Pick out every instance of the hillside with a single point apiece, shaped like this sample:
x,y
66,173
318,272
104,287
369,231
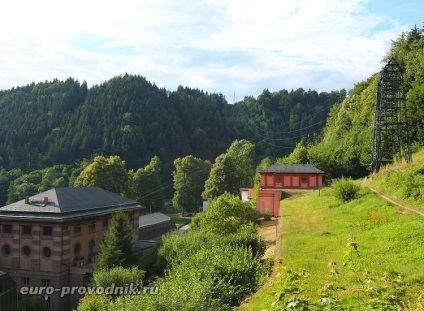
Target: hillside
x,y
319,265
345,147
63,122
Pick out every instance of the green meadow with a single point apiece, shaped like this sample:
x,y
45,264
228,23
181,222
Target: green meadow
x,y
382,267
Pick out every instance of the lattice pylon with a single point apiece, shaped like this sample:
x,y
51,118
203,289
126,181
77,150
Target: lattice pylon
x,y
391,131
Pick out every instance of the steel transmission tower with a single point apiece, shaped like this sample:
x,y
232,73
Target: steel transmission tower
x,y
391,131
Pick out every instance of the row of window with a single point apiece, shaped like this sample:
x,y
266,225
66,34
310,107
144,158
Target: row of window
x,y
27,230
25,281
48,230
47,252
26,250
91,226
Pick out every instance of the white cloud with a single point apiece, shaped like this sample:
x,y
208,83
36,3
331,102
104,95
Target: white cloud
x,y
215,45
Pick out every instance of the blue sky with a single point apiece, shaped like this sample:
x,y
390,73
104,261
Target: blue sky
x,y
221,46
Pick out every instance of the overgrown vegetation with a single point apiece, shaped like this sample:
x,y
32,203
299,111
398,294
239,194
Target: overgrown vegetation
x,y
206,269
345,189
404,181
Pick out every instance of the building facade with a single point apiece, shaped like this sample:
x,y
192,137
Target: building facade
x,y
52,239
278,177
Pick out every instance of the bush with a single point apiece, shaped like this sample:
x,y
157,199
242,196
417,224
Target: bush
x,y
119,276
345,189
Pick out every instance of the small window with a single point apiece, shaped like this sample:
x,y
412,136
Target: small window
x,y
45,282
47,230
25,281
77,228
7,229
92,226
47,252
77,249
27,230
278,179
91,245
105,223
6,249
26,251
304,179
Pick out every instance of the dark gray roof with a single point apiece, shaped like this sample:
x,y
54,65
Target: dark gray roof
x,y
69,202
152,219
292,169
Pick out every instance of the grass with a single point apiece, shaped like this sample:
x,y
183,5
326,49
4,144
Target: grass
x,y
179,222
315,231
404,181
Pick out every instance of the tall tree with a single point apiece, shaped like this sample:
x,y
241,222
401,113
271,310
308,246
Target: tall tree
x,y
222,178
118,247
107,173
243,154
189,175
147,186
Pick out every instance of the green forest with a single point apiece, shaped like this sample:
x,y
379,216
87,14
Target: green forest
x,y
52,131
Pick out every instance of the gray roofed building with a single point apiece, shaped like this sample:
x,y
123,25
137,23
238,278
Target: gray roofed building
x,y
292,169
153,226
68,203
53,238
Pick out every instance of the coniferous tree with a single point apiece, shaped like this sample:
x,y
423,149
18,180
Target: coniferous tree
x,y
118,247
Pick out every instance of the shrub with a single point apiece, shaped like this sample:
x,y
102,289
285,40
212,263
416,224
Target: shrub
x,y
119,276
345,189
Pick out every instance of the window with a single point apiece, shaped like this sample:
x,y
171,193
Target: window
x,y
45,282
47,252
92,226
6,249
77,228
26,251
27,230
7,229
25,281
105,223
278,179
91,245
47,230
304,179
77,249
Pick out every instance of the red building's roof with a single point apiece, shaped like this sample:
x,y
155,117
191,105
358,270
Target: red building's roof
x,y
292,169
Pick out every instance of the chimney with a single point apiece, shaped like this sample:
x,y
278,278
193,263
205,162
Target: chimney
x,y
26,200
46,200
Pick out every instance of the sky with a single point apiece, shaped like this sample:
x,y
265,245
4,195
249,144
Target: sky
x,y
234,47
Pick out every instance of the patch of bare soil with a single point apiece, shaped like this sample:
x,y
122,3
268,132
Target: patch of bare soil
x,y
267,229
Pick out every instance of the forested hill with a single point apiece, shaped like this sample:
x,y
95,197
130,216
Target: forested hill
x,y
62,122
345,148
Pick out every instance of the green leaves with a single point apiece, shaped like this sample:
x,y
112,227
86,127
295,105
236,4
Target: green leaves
x,y
189,176
106,173
118,247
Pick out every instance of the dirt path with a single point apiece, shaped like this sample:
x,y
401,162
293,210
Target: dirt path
x,y
392,200
268,231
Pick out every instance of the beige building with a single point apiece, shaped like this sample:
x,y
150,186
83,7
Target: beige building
x,y
51,239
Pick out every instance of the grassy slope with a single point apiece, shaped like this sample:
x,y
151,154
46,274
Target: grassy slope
x,y
315,232
404,181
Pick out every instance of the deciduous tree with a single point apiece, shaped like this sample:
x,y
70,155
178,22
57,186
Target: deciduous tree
x,y
107,173
189,175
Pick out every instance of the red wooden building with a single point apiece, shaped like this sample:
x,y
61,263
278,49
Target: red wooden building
x,y
285,176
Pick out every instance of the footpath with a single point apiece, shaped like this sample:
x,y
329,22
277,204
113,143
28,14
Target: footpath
x,y
393,200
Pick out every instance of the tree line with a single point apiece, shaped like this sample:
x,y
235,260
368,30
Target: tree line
x,y
61,123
